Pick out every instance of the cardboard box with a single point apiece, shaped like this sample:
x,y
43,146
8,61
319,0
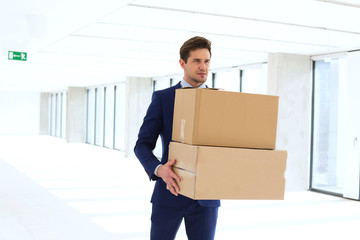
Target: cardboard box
x,y
229,173
221,118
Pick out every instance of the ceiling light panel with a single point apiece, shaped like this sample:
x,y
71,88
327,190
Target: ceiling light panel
x,y
321,14
219,25
111,47
134,32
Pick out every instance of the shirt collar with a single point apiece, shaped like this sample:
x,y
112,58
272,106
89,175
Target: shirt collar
x,y
185,84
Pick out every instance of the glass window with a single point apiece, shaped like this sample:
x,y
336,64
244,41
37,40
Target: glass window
x,y
176,79
63,114
161,83
209,81
99,116
57,117
109,117
53,115
327,150
90,126
106,116
50,114
254,79
226,80
58,114
120,110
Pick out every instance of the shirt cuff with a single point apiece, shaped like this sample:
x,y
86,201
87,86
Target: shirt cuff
x,y
156,169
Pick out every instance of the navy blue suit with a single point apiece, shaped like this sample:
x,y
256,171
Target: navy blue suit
x,y
158,122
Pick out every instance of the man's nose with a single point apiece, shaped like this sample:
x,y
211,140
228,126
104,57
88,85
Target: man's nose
x,y
203,66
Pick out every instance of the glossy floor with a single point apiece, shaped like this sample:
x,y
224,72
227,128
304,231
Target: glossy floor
x,y
51,190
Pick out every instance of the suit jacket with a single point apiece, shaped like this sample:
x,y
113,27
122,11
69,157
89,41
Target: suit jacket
x,y
158,122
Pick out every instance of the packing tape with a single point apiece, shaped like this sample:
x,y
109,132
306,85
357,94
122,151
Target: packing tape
x,y
182,131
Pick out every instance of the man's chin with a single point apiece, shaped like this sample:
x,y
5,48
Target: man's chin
x,y
201,79
198,81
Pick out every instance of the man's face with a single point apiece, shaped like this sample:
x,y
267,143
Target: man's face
x,y
197,67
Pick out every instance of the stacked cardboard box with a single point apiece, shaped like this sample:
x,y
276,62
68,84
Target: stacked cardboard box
x,y
224,142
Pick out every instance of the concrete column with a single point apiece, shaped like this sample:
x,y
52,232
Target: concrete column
x,y
138,97
76,115
290,78
44,114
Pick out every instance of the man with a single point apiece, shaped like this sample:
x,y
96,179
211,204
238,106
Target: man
x,y
169,207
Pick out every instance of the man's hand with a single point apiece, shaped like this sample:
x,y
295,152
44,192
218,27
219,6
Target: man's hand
x,y
167,174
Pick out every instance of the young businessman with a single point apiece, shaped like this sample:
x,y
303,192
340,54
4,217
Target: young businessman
x,y
168,207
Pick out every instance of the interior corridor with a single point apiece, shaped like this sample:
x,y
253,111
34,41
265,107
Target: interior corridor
x,y
53,190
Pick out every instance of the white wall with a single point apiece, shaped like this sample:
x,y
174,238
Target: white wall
x,y
19,113
44,124
290,78
76,114
138,97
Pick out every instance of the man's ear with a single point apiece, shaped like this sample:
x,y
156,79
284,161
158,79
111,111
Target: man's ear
x,y
182,63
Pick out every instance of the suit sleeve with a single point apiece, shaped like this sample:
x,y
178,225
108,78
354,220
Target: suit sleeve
x,y
148,135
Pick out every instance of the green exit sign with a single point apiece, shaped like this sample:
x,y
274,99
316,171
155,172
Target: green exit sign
x,y
21,56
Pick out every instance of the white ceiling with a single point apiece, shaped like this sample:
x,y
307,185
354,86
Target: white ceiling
x,y
80,43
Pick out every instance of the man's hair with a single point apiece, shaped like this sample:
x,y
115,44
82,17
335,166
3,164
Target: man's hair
x,y
194,44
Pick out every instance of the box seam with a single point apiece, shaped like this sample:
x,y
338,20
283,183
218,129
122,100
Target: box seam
x,y
196,115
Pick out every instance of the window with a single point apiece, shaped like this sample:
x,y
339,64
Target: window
x,y
109,116
327,149
120,100
254,79
90,126
161,83
227,79
53,114
248,79
99,116
106,116
63,115
176,79
58,102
